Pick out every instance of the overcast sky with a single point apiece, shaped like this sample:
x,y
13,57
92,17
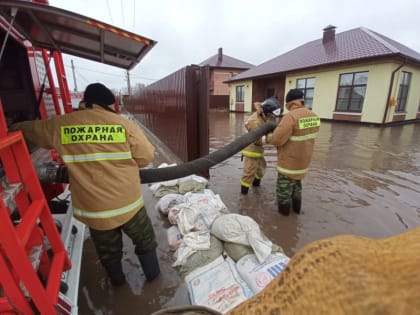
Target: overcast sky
x,y
254,31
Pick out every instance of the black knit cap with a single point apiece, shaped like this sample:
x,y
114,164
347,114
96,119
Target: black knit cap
x,y
99,94
294,94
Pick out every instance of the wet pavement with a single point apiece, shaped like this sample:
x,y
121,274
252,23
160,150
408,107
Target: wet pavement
x,y
363,180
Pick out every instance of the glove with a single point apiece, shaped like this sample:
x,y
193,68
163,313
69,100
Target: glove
x,y
14,127
258,142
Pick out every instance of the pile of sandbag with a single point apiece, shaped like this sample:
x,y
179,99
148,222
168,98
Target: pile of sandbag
x,y
345,274
224,257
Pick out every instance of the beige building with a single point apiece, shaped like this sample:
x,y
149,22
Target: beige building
x,y
357,75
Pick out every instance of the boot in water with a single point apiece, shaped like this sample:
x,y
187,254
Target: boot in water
x,y
296,205
284,208
244,190
115,273
150,264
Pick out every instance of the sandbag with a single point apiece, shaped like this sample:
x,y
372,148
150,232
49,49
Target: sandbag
x,y
345,275
241,229
201,257
217,285
259,275
192,183
237,251
187,310
168,201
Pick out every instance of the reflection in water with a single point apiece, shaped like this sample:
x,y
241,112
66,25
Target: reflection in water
x,y
365,148
363,180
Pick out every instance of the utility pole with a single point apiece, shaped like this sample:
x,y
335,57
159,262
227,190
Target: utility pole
x,y
74,76
128,83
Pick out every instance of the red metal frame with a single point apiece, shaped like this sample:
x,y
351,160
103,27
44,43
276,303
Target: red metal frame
x,y
62,82
52,90
36,80
54,189
36,226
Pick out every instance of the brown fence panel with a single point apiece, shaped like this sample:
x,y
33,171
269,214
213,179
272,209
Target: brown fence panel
x,y
175,109
219,101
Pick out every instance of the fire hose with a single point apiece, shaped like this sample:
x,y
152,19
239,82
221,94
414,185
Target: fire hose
x,y
51,173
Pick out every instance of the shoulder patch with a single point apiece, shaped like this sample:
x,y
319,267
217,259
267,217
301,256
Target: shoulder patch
x,y
309,122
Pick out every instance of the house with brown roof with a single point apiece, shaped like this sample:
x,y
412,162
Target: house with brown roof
x,y
222,68
357,75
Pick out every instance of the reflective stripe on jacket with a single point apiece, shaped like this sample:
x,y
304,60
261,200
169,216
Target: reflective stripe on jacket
x,y
103,152
294,137
255,149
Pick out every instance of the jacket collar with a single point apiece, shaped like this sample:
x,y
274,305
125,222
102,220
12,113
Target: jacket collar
x,y
295,104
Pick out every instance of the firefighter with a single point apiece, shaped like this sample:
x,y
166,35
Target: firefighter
x,y
294,138
253,154
103,152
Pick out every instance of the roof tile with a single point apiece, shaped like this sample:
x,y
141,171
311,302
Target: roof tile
x,y
358,43
226,62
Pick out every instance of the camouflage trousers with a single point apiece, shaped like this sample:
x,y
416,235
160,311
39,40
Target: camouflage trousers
x,y
109,244
288,189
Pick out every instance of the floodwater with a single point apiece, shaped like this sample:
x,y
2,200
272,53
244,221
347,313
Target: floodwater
x,y
363,180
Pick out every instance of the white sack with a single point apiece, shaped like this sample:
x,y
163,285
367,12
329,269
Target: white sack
x,y
217,286
174,237
259,275
236,228
199,211
191,243
169,201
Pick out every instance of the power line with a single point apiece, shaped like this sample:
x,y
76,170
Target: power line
x,y
122,12
144,78
113,74
96,71
109,11
83,78
134,15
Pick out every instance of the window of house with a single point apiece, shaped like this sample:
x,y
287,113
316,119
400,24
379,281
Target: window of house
x,y
307,85
240,93
403,91
351,92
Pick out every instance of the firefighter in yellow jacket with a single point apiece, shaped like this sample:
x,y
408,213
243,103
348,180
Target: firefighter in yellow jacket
x,y
294,138
254,161
103,152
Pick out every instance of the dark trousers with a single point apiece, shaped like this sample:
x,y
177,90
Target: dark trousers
x,y
109,243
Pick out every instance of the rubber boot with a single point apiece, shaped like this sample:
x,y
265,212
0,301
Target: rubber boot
x,y
244,190
150,264
296,205
284,208
256,182
115,273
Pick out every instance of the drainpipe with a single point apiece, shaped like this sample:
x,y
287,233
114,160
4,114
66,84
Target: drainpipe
x,y
390,91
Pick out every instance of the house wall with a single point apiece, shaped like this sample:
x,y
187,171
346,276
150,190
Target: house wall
x,y
218,76
413,100
379,78
219,91
260,87
246,106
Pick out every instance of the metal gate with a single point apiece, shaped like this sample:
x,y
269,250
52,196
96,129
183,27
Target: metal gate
x,y
175,109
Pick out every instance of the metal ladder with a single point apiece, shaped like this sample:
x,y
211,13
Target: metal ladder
x,y
30,275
